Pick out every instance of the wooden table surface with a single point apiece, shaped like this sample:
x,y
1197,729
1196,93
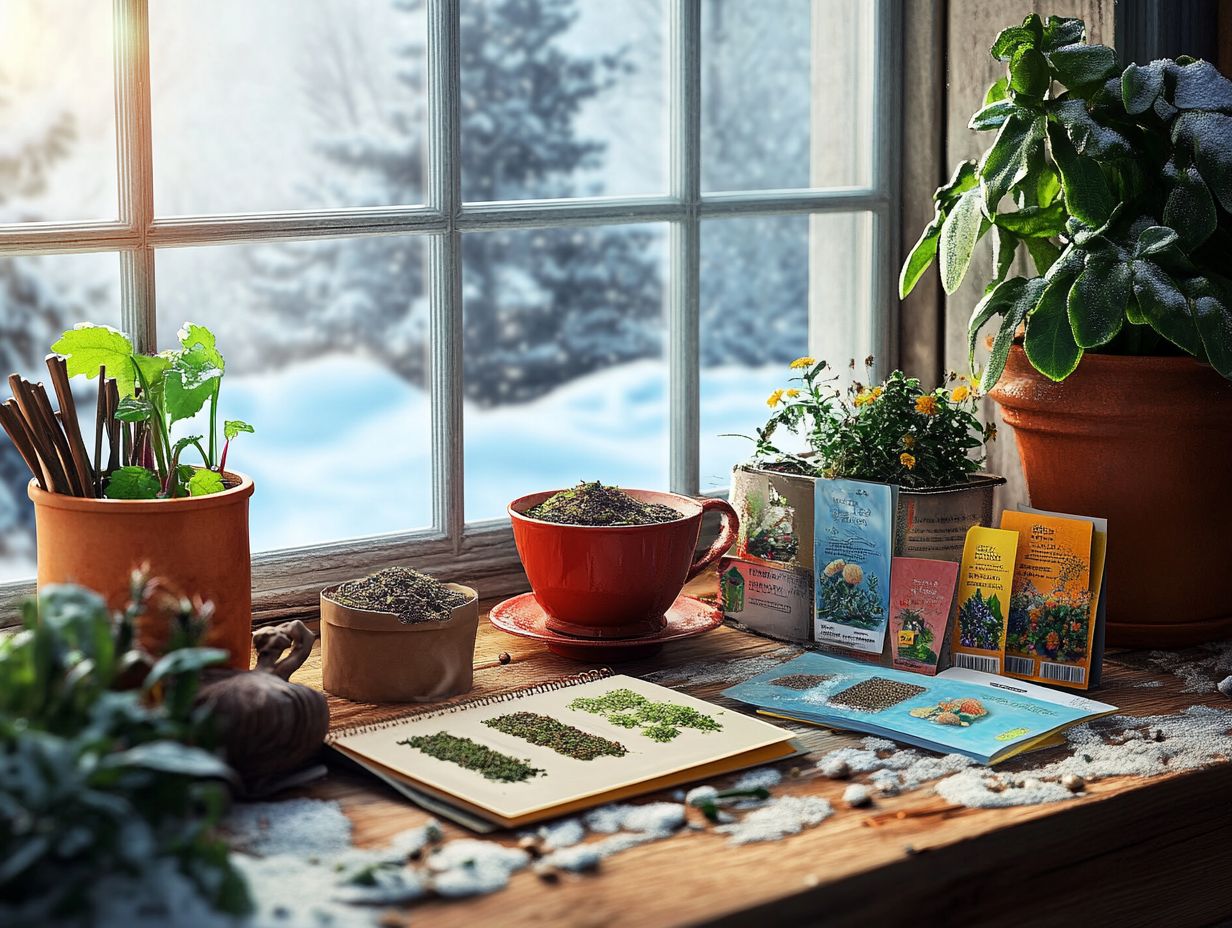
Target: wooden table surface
x,y
1130,852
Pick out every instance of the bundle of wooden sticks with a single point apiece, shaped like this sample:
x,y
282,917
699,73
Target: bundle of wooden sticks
x,y
50,441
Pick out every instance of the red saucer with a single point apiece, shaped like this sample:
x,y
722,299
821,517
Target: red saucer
x,y
523,616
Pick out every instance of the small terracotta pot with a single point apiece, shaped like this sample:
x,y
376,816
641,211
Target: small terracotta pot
x,y
1145,442
198,544
372,657
600,581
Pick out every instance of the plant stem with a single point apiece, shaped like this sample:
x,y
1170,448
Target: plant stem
x,y
209,461
222,464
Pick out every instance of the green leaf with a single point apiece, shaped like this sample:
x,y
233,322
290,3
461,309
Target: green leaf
x,y
1030,34
1097,303
959,234
1077,65
993,115
205,482
1200,86
1015,314
169,757
1004,247
1035,221
1209,137
89,347
996,302
1029,74
1090,136
1133,312
963,179
1141,84
133,483
133,409
1049,342
181,661
997,90
1087,195
1153,240
919,260
1190,208
200,340
1044,254
1165,306
1059,31
1008,160
233,427
192,380
1211,302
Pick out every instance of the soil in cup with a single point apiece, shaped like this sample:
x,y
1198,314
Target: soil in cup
x,y
595,504
411,596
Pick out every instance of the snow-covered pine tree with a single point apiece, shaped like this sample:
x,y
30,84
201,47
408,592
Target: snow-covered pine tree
x,y
541,307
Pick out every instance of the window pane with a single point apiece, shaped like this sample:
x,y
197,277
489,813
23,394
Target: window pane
x,y
40,297
762,280
57,111
564,361
286,104
787,97
563,98
326,346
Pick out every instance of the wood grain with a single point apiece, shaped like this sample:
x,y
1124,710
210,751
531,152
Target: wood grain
x,y
1130,852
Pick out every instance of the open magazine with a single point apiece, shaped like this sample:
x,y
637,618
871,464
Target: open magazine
x,y
986,717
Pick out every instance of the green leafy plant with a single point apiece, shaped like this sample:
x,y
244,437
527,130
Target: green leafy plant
x,y
920,649
1118,184
894,432
847,595
157,391
105,767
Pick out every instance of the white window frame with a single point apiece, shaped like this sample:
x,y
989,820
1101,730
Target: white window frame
x,y
483,553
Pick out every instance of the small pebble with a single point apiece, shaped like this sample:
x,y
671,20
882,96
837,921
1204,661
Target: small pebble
x,y
836,769
1073,782
504,657
1225,686
795,773
857,795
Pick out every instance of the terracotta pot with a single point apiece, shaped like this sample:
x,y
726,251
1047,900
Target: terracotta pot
x,y
1145,442
615,581
198,544
371,656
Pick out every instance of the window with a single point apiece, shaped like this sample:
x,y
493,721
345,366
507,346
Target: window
x,y
455,250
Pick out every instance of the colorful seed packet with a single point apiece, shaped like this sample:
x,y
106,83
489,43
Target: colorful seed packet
x,y
774,601
921,599
853,538
1051,633
985,579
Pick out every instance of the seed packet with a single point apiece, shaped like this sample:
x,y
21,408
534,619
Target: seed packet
x,y
774,511
985,578
775,601
853,537
921,598
1054,608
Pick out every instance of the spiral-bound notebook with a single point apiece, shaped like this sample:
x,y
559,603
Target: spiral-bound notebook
x,y
553,749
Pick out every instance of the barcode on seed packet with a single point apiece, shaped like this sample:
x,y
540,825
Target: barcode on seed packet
x,y
1023,665
1067,673
976,662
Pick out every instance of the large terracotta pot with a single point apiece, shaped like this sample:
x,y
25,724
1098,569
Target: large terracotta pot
x,y
198,544
615,581
1146,442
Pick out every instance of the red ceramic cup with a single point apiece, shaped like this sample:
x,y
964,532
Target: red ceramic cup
x,y
599,581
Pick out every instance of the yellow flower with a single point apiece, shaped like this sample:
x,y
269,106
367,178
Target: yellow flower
x,y
958,394
834,567
853,574
803,362
927,404
774,398
877,391
907,460
908,441
793,393
864,397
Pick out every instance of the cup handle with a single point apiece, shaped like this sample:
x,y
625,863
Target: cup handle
x,y
729,528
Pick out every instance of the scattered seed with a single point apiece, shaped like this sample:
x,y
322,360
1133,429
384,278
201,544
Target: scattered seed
x,y
547,732
875,694
492,765
595,504
504,657
658,721
801,681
